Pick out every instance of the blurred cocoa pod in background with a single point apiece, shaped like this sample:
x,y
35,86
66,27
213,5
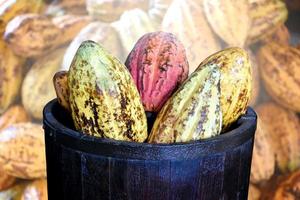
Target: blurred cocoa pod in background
x,y
32,35
22,150
254,193
37,87
266,16
279,67
281,127
280,36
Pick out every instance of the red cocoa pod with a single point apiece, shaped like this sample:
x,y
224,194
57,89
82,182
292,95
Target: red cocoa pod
x,y
158,64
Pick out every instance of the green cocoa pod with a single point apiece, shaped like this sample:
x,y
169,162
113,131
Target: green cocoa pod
x,y
193,112
104,100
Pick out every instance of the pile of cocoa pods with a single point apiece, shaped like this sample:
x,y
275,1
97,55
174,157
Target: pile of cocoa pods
x,y
41,37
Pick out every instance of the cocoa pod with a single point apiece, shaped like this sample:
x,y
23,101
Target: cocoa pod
x,y
103,97
263,157
31,35
11,8
221,16
254,193
281,36
236,82
266,17
136,20
22,151
11,70
14,114
99,32
37,190
158,65
60,82
282,127
186,20
279,67
189,113
111,10
37,88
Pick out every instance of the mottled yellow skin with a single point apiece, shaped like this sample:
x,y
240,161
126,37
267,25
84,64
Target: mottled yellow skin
x,y
266,17
236,82
193,112
103,98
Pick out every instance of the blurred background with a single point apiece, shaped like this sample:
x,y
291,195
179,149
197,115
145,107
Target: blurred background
x,y
40,37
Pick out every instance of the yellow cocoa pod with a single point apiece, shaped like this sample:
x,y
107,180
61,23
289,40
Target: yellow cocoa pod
x,y
266,17
103,97
11,69
282,128
236,82
279,67
22,150
37,88
36,190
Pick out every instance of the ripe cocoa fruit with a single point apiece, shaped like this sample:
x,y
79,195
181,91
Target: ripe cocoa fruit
x,y
193,112
100,32
266,17
60,82
111,10
222,17
22,151
11,70
37,88
279,67
186,20
36,190
236,82
31,35
158,65
263,157
282,128
104,100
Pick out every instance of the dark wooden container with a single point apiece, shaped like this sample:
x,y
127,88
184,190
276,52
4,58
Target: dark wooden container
x,y
85,167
